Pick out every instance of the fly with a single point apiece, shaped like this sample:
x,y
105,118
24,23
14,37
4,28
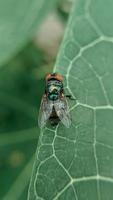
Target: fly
x,y
54,106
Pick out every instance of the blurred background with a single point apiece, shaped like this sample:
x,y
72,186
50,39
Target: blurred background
x,y
21,89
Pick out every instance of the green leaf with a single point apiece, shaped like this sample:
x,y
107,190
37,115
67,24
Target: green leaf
x,y
19,21
16,151
21,181
19,101
77,163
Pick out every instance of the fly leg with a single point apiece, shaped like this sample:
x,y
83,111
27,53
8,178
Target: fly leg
x,y
70,97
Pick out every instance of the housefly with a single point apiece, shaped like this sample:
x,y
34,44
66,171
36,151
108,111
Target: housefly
x,y
54,106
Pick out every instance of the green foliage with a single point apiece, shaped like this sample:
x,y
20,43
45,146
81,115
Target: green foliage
x,y
77,163
19,101
19,21
21,78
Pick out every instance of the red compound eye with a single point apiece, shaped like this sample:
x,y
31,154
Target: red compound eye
x,y
59,77
48,76
55,76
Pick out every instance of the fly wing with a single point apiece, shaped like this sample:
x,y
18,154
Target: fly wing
x,y
62,110
44,112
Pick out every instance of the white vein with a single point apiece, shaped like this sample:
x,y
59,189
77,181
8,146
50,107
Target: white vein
x,y
95,156
84,179
99,79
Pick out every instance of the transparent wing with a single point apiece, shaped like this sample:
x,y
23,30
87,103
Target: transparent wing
x,y
44,112
62,110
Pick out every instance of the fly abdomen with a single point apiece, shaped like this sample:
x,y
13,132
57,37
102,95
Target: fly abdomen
x,y
54,119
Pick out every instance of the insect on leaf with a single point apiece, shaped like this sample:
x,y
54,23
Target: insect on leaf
x,y
77,163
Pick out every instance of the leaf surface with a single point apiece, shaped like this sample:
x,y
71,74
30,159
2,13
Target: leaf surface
x,y
77,163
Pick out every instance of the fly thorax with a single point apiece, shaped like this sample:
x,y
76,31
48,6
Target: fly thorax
x,y
54,89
